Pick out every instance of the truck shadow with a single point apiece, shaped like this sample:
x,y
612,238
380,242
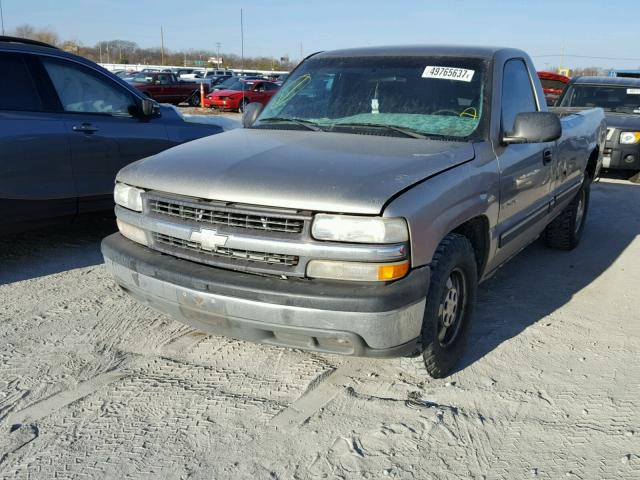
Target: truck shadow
x,y
540,280
53,249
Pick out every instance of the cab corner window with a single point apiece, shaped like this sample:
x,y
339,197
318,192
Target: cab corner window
x,y
83,91
17,89
517,93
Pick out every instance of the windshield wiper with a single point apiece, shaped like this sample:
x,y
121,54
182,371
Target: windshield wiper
x,y
407,132
308,124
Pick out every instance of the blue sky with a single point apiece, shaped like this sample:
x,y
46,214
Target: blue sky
x,y
279,27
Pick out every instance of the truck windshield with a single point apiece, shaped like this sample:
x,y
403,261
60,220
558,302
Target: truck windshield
x,y
429,96
613,98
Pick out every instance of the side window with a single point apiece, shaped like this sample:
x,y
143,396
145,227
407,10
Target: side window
x,y
17,89
81,90
270,87
163,79
517,93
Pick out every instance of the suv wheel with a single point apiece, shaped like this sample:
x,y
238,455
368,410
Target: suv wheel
x,y
450,303
565,231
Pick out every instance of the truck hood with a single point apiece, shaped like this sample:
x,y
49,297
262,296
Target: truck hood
x,y
623,121
302,170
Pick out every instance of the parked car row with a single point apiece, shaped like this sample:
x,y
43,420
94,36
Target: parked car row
x,y
404,182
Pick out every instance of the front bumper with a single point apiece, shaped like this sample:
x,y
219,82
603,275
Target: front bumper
x,y
621,157
221,104
377,320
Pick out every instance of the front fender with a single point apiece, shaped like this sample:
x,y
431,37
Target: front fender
x,y
440,204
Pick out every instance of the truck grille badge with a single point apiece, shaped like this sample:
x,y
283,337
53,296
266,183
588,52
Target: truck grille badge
x,y
208,239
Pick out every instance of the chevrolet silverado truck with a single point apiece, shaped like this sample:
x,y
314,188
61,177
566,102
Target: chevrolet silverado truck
x,y
620,99
356,213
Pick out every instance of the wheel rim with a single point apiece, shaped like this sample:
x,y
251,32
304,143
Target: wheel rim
x,y
580,212
451,309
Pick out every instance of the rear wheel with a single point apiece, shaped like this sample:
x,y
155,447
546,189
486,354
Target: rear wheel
x,y
565,231
194,100
450,303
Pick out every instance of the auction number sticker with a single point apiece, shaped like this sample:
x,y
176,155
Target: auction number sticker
x,y
633,91
448,73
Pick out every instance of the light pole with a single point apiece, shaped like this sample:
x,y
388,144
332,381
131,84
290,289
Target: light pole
x,y
241,44
2,17
218,45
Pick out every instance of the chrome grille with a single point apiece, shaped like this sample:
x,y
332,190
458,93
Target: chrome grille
x,y
177,245
230,217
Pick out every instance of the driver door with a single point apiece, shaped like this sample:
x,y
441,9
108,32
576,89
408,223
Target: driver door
x,y
525,169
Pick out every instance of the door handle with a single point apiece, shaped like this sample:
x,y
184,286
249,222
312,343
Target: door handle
x,y
547,157
84,128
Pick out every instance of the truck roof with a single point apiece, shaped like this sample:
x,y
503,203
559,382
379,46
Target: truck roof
x,y
624,81
420,50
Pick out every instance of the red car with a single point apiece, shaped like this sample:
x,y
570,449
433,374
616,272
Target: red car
x,y
241,93
553,84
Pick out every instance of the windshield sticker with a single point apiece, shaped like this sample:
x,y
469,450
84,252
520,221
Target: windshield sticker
x,y
448,73
633,91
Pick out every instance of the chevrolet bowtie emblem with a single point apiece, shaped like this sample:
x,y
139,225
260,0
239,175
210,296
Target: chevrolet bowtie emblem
x,y
208,239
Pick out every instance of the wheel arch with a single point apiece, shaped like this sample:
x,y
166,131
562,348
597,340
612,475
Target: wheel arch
x,y
476,230
592,163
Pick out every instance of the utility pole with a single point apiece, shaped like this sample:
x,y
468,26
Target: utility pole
x,y
241,43
161,46
2,17
218,45
100,44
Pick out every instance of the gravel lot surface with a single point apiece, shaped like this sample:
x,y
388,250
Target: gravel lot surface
x,y
94,385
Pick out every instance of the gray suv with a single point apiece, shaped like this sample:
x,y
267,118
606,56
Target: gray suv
x,y
67,126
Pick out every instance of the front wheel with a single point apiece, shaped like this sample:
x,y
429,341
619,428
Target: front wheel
x,y
450,303
565,231
243,104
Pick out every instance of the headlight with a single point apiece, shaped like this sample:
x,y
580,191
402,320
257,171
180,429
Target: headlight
x,y
132,232
629,138
346,228
357,271
128,197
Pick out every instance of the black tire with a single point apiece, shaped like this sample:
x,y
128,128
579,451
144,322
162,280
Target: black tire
x,y
243,104
565,231
194,100
451,299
